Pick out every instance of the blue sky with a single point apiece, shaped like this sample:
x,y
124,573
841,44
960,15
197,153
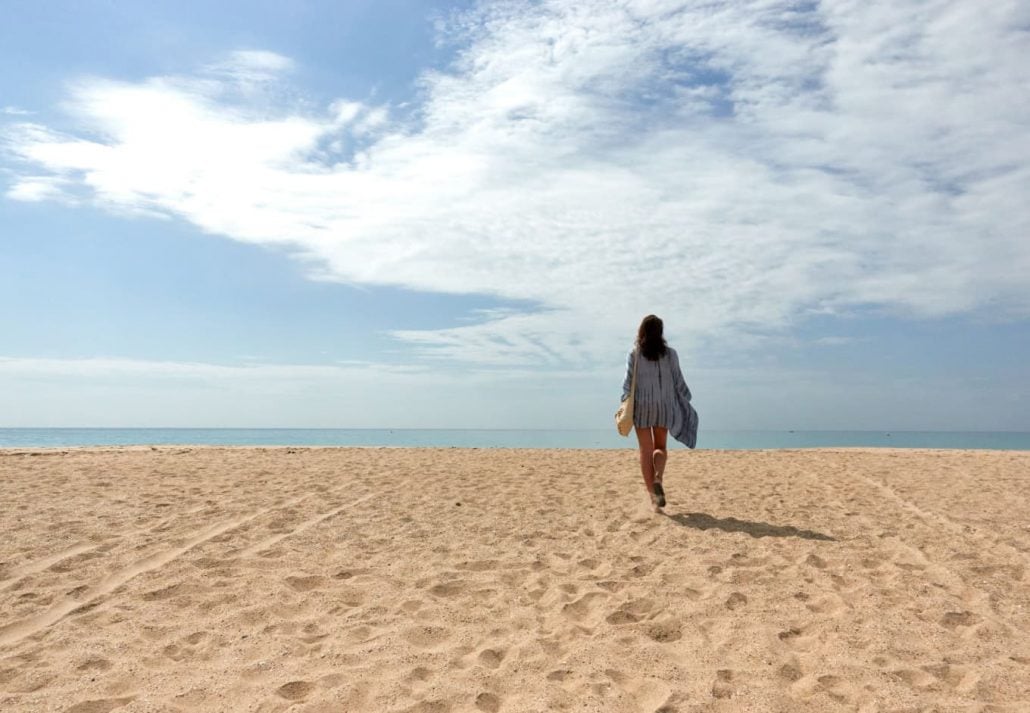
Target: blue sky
x,y
412,214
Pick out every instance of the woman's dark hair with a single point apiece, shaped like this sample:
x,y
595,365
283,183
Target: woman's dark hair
x,y
649,338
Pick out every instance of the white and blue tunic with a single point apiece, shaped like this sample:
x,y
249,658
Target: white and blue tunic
x,y
662,396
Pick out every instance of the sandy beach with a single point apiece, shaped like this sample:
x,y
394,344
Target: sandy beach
x,y
338,579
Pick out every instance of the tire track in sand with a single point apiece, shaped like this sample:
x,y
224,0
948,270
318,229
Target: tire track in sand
x,y
956,584
321,517
35,566
18,630
39,565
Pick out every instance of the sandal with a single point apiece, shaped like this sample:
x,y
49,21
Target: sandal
x,y
659,494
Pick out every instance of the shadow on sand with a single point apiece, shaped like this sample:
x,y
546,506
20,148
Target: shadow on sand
x,y
704,521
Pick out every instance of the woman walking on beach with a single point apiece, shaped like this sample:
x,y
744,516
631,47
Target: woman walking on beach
x,y
661,404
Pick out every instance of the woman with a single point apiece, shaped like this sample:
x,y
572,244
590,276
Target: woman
x,y
661,404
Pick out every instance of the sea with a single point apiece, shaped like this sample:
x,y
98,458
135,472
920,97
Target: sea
x,y
499,438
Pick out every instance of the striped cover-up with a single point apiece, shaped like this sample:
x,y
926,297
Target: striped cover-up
x,y
662,397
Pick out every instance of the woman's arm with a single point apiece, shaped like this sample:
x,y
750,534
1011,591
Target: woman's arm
x,y
629,377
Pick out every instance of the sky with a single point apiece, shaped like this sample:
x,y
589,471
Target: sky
x,y
414,214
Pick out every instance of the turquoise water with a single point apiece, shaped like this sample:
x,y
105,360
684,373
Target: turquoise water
x,y
608,438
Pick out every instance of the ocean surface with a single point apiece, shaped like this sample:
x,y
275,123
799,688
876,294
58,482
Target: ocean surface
x,y
607,438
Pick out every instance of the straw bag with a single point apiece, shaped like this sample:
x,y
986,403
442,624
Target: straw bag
x,y
624,416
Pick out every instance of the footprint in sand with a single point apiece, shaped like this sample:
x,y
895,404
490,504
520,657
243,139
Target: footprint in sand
x,y
718,633
186,649
836,688
295,690
621,616
169,592
647,694
488,702
312,633
915,678
735,601
306,584
642,570
723,685
278,526
869,563
348,573
829,604
959,678
177,653
427,636
429,707
795,638
956,619
29,682
815,561
102,705
85,609
790,671
421,674
631,612
448,589
479,565
94,664
491,658
359,634
196,637
352,597
584,608
665,632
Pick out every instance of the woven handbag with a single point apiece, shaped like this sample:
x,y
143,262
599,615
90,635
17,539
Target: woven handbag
x,y
624,416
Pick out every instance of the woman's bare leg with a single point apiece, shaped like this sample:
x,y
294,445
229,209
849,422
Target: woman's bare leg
x,y
646,440
661,452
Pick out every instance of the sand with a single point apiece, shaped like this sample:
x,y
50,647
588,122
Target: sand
x,y
326,579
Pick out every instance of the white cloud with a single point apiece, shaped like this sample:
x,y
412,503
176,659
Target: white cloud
x,y
730,166
249,71
32,189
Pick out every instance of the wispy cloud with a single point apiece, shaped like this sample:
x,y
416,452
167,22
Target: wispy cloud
x,y
32,189
114,391
833,341
251,372
104,367
732,166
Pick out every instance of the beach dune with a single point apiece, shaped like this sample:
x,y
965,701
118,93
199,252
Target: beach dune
x,y
436,580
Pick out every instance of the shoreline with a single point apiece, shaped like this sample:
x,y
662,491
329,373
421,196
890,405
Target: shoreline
x,y
575,439
144,447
